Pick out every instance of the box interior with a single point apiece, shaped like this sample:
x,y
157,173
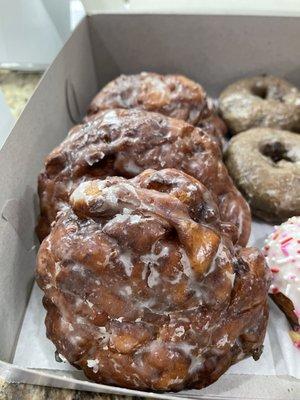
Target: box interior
x,y
213,50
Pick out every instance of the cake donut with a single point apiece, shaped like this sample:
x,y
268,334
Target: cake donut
x,y
172,95
282,252
143,290
261,101
265,165
126,142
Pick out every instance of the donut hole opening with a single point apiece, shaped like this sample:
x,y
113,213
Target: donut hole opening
x,y
276,151
260,91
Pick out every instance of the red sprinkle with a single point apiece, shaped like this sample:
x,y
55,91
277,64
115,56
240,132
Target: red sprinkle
x,y
275,290
286,240
274,269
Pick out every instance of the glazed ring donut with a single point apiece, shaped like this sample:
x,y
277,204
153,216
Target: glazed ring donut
x,y
267,171
261,101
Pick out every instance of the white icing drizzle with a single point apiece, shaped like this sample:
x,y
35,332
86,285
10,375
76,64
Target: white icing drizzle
x,y
132,168
150,260
223,341
187,269
57,268
153,277
179,331
94,364
153,258
231,277
125,259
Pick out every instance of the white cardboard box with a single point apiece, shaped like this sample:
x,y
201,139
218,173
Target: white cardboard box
x,y
213,50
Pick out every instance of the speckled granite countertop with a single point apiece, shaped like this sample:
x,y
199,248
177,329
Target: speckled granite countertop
x,y
17,88
15,391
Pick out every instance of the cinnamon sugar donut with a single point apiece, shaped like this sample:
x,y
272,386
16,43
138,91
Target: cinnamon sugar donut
x,y
125,143
261,101
172,95
143,290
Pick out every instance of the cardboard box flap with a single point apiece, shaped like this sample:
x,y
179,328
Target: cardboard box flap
x,y
42,125
19,213
217,7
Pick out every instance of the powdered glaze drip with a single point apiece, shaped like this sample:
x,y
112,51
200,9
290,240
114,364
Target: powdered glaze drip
x,y
143,289
126,142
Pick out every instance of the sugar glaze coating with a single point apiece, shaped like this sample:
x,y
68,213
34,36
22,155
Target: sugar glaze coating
x,y
261,101
143,290
171,95
125,143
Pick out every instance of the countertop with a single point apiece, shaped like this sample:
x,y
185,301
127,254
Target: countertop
x,y
17,88
13,391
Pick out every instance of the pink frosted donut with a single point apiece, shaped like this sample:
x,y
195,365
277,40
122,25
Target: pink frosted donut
x,y
282,252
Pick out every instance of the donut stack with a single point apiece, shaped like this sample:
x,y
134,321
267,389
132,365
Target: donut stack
x,y
263,158
147,283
